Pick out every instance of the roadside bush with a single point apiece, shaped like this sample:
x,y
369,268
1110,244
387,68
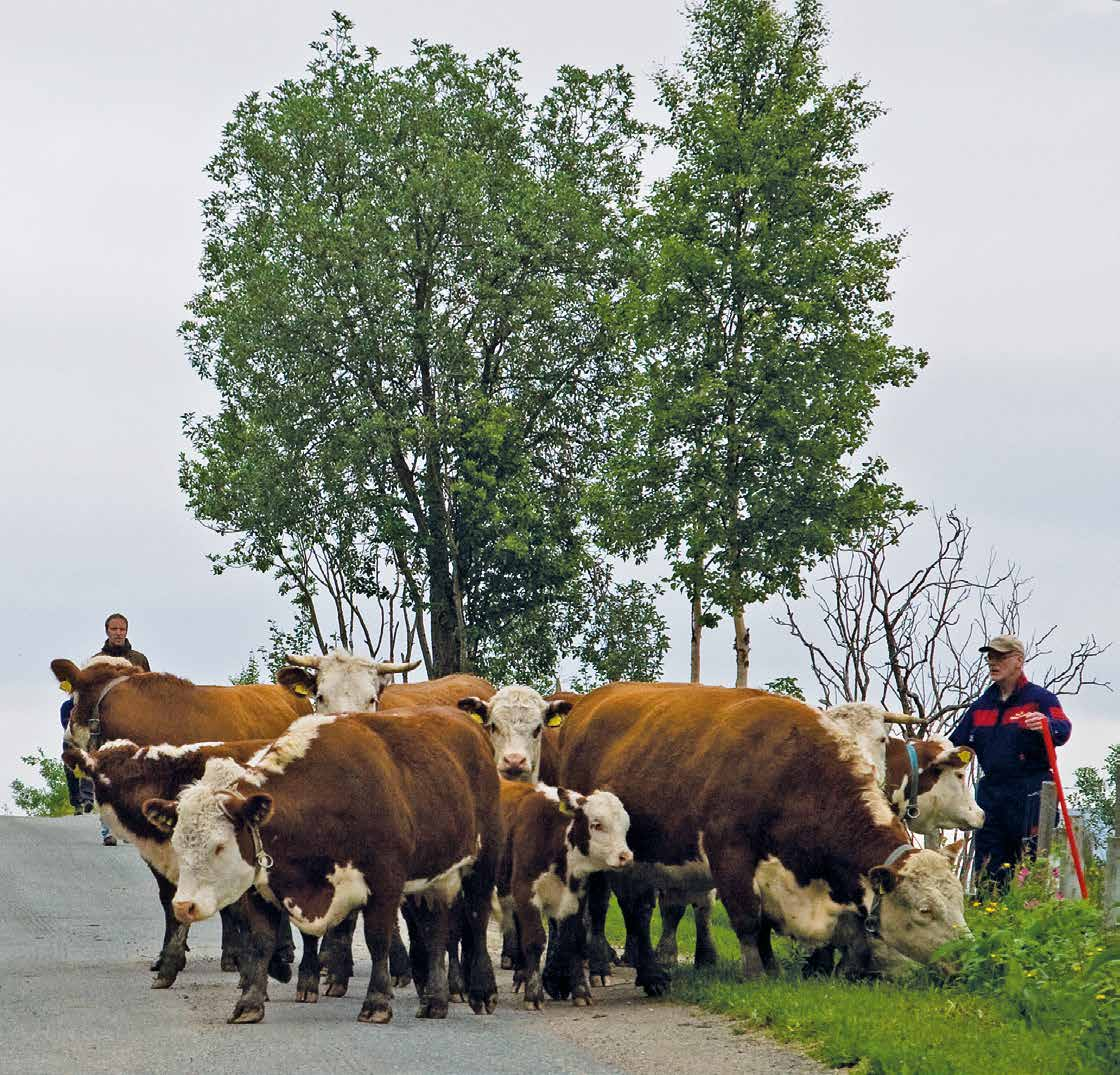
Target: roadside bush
x,y
51,800
1052,958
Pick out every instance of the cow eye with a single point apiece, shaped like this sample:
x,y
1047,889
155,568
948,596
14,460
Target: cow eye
x,y
219,849
537,730
925,909
597,826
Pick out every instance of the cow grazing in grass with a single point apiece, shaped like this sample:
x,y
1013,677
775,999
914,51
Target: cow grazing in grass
x,y
553,839
113,699
340,814
758,796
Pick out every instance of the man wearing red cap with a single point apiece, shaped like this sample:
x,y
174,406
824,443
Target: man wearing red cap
x,y
1004,726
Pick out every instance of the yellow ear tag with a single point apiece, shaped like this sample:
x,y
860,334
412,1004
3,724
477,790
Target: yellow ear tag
x,y
476,717
965,755
301,688
555,720
65,687
564,807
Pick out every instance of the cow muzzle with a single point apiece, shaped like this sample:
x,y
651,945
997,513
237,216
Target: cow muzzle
x,y
624,858
187,911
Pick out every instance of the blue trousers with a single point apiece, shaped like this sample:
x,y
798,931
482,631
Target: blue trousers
x,y
1010,830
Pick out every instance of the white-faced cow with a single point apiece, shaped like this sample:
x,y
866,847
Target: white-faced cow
x,y
755,795
126,776
346,813
341,682
113,699
553,839
927,785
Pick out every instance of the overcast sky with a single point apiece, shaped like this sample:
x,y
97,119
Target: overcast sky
x,y
1000,148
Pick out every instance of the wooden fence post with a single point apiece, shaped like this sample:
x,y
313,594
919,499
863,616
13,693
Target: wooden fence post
x,y
1067,876
1047,808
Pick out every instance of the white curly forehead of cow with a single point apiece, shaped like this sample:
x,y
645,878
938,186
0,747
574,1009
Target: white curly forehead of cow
x,y
517,708
927,873
348,683
606,808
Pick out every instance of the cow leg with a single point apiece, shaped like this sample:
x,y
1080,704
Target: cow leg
x,y
431,924
821,962
379,920
556,977
531,931
399,968
855,951
673,906
734,878
285,946
233,936
336,954
307,983
636,905
510,947
706,955
263,922
455,984
172,956
417,949
600,955
474,903
573,941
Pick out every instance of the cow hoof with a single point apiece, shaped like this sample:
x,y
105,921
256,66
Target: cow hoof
x,y
307,995
337,989
456,998
580,1001
229,962
705,957
155,965
432,1009
402,980
246,1015
556,987
162,982
484,1004
655,981
605,981
377,1014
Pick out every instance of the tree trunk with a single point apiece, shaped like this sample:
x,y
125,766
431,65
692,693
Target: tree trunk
x,y
742,648
697,628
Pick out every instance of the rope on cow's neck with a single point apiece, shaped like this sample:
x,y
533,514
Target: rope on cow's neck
x,y
262,858
871,922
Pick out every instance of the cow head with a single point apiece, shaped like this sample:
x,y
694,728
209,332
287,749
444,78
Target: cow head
x,y
597,835
204,825
945,800
86,685
922,902
340,682
515,718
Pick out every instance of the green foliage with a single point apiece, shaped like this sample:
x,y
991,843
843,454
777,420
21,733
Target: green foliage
x,y
786,685
251,673
762,321
1054,960
51,799
1094,795
409,276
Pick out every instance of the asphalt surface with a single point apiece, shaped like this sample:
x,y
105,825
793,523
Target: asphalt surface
x,y
82,923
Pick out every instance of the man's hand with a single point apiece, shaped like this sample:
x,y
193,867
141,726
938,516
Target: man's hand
x,y
1035,721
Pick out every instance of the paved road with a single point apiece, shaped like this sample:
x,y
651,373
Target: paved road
x,y
81,923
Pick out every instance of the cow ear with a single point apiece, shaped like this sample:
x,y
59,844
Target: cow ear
x,y
952,851
162,814
953,758
257,809
78,761
556,712
569,801
66,672
299,681
883,879
476,709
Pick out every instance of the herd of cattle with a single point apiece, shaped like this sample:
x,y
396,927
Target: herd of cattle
x,y
338,791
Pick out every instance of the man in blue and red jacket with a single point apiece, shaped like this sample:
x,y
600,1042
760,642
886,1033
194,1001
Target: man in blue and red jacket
x,y
1004,726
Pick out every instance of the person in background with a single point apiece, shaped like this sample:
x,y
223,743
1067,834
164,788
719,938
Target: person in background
x,y
1004,726
116,645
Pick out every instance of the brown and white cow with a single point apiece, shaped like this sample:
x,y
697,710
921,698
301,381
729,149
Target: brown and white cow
x,y
341,682
346,813
553,839
756,795
126,775
944,799
114,699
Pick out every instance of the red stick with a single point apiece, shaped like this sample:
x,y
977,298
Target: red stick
x,y
1075,854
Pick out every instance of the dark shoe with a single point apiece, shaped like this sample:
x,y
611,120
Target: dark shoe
x,y
110,841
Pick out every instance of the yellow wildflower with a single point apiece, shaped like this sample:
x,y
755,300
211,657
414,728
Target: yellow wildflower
x,y
1077,966
1101,996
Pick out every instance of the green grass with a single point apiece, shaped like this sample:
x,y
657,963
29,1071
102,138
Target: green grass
x,y
924,1029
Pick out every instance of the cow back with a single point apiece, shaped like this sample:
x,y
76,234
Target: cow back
x,y
445,691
